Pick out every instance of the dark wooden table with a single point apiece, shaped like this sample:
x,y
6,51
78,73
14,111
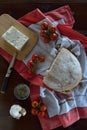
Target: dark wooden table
x,y
17,9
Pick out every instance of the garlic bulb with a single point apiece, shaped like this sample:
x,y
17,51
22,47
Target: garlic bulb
x,y
16,111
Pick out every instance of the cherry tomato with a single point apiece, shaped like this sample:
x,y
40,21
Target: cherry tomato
x,y
34,104
46,40
53,36
30,63
34,112
35,57
31,72
41,114
42,33
43,108
44,25
42,59
52,28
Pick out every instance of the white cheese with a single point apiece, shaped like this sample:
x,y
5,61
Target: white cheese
x,y
15,38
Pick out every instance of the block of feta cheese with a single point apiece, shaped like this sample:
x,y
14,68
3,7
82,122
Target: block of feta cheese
x,y
15,38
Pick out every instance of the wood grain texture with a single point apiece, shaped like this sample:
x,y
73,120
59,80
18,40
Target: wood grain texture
x,y
6,21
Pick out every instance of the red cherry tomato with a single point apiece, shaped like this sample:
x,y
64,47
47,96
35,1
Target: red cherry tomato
x,y
41,114
46,40
53,36
42,33
44,25
30,63
43,108
34,112
42,59
34,104
35,57
31,72
52,28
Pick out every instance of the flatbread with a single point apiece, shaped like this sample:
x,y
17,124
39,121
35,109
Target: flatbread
x,y
65,72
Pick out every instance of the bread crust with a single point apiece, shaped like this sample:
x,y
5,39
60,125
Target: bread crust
x,y
65,72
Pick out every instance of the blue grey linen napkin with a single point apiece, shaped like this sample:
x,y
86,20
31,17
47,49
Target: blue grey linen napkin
x,y
78,97
50,101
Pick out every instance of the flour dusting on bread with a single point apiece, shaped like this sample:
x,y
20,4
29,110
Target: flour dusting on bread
x,y
65,72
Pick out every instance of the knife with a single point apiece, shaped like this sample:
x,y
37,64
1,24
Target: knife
x,y
7,76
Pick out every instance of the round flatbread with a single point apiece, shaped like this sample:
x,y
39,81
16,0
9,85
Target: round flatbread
x,y
65,72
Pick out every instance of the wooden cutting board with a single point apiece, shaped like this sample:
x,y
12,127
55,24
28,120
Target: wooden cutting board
x,y
6,21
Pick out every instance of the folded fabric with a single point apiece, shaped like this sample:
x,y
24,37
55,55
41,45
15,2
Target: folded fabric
x,y
31,18
64,119
36,15
56,106
72,101
44,49
51,102
64,13
72,115
72,34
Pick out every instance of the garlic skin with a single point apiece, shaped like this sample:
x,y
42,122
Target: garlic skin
x,y
16,111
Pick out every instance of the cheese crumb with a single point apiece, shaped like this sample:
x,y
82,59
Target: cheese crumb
x,y
15,38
